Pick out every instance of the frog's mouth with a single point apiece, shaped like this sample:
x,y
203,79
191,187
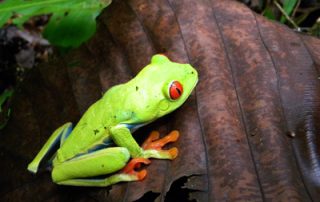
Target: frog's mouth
x,y
192,87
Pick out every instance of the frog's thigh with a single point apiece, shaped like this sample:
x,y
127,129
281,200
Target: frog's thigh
x,y
101,162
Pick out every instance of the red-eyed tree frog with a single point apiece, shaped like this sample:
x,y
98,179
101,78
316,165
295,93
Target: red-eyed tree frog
x,y
85,151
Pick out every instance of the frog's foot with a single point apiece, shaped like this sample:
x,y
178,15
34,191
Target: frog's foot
x,y
59,135
132,165
153,145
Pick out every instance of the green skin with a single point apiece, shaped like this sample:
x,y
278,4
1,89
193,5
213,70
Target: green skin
x,y
84,152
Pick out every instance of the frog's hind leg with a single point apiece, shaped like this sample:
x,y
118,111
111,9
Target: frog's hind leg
x,y
77,171
59,135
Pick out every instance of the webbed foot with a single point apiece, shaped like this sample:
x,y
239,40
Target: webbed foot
x,y
153,145
132,165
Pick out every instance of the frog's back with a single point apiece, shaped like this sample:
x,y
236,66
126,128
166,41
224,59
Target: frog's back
x,y
91,131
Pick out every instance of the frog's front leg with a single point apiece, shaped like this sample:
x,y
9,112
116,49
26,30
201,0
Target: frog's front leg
x,y
59,135
77,171
151,148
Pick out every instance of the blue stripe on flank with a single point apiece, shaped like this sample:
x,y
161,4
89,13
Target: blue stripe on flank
x,y
134,127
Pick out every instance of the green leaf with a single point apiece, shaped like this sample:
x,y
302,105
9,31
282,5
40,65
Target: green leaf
x,y
288,6
66,31
269,13
4,113
72,21
4,97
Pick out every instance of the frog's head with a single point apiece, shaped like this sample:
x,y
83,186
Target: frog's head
x,y
162,87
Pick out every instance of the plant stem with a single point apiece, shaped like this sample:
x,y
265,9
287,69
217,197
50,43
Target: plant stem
x,y
296,8
286,15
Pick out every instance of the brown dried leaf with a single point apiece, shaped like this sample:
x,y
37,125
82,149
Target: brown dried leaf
x,y
258,83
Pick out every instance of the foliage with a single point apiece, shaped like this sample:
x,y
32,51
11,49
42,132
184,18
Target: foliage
x,y
302,15
288,6
4,113
315,29
72,21
285,9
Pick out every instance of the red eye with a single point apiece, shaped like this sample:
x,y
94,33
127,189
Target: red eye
x,y
175,90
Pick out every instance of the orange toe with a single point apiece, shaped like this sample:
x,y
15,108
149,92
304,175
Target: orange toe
x,y
141,174
153,141
135,163
173,152
154,135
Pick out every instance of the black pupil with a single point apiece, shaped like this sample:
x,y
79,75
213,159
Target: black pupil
x,y
179,91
